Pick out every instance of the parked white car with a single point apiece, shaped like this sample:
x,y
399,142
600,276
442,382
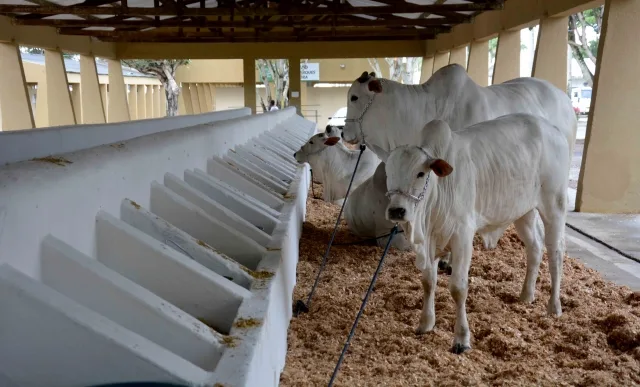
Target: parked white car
x,y
338,118
581,99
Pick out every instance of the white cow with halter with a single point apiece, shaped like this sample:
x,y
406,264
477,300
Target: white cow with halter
x,y
335,164
366,208
487,176
385,114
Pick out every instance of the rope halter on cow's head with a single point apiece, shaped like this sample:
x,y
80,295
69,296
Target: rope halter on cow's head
x,y
416,199
364,78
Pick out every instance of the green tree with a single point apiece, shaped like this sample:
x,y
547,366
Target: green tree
x,y
274,75
165,71
581,47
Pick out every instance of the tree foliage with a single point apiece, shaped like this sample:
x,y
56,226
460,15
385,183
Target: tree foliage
x,y
40,51
274,75
581,47
165,71
401,69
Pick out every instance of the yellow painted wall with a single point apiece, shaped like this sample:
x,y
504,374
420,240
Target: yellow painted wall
x,y
230,70
326,101
229,98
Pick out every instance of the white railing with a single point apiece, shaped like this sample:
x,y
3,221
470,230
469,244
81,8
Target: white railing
x,y
167,257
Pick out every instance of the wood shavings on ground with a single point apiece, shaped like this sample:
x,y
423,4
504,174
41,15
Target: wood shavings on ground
x,y
596,342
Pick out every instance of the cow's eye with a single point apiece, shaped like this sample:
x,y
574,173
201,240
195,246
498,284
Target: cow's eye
x,y
354,98
310,142
420,174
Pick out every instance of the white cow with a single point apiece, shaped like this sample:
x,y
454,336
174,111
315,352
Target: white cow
x,y
335,164
485,177
333,131
386,114
366,208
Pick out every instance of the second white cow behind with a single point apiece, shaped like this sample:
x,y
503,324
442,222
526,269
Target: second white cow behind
x,y
336,163
484,177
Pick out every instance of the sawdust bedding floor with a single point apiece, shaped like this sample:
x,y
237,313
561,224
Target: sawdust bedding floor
x,y
596,342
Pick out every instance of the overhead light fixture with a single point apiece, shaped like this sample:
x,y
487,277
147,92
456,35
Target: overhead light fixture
x,y
343,66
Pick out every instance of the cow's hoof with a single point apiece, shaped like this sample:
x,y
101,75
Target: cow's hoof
x,y
424,328
554,308
459,349
526,298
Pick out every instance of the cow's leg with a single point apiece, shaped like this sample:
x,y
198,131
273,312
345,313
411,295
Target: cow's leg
x,y
526,228
461,251
553,214
429,284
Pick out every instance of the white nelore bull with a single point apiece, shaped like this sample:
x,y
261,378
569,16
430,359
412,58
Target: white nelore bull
x,y
335,163
386,114
366,208
485,177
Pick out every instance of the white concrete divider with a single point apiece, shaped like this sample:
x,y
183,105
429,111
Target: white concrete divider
x,y
50,340
97,287
222,186
192,283
259,216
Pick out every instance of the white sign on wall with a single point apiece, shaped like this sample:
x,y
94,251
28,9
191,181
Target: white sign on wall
x,y
309,71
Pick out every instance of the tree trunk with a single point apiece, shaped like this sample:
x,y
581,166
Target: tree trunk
x,y
171,89
577,52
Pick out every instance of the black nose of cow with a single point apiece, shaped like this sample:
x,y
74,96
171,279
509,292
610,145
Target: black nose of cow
x,y
397,213
294,155
342,135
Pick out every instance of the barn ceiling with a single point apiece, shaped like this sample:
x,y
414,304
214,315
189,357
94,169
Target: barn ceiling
x,y
247,20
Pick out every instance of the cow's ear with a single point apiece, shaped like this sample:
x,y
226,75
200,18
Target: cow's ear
x,y
372,74
375,86
331,141
441,167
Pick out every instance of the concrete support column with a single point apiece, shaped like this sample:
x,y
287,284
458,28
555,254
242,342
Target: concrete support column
x,y
133,102
459,55
441,59
186,94
478,67
118,109
303,97
14,96
142,104
157,108
207,96
609,178
427,69
294,84
249,75
59,104
550,61
212,90
163,101
149,101
91,99
202,98
195,100
75,101
105,100
507,65
42,104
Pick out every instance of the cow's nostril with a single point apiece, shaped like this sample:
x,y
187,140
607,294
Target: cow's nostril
x,y
397,212
342,135
294,155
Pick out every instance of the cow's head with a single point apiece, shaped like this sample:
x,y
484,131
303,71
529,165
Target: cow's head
x,y
315,145
333,131
359,96
411,170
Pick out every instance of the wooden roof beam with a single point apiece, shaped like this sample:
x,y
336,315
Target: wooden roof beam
x,y
251,11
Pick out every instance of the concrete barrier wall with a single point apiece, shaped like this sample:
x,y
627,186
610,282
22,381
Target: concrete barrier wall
x,y
29,144
167,257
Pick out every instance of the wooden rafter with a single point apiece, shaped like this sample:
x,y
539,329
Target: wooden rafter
x,y
249,20
251,11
